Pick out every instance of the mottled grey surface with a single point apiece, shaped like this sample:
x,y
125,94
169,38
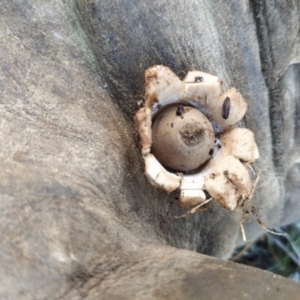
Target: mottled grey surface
x,y
77,217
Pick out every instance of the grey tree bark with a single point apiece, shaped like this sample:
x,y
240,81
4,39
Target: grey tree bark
x,y
78,219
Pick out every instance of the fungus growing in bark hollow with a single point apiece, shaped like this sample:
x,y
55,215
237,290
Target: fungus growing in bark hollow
x,y
188,140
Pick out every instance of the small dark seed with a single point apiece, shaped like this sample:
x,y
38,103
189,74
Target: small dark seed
x,y
198,78
172,125
179,110
226,108
226,173
211,151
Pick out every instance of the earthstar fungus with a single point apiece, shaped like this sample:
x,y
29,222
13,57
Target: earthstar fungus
x,y
189,142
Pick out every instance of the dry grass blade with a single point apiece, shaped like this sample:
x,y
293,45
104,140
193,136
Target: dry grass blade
x,y
193,210
243,231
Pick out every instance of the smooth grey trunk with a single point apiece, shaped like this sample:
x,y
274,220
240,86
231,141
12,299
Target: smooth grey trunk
x,y
78,219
